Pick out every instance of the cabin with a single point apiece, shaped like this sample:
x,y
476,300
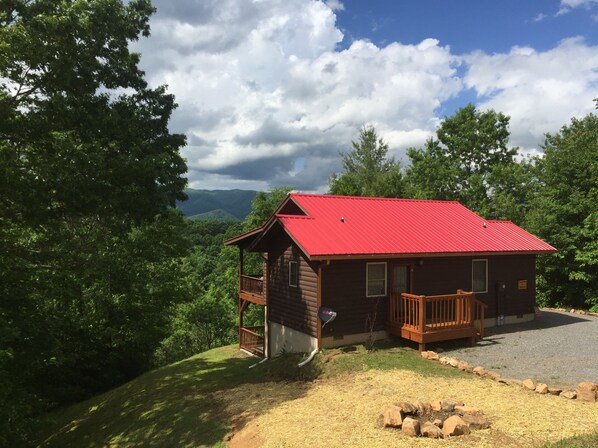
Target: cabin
x,y
423,270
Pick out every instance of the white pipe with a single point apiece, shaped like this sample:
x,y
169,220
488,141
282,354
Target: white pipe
x,y
258,363
309,358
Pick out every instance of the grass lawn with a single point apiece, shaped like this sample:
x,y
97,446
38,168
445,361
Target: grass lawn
x,y
335,398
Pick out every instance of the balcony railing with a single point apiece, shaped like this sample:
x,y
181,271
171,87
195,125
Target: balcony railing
x,y
435,318
252,289
252,339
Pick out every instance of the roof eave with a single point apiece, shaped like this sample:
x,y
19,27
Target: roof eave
x,y
319,257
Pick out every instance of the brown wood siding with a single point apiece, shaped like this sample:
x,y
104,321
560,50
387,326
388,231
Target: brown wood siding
x,y
446,275
344,287
294,307
290,208
343,290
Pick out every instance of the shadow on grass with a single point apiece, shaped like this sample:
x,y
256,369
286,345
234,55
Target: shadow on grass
x,y
183,404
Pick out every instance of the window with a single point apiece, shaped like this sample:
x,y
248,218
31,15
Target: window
x,y
375,279
479,276
293,273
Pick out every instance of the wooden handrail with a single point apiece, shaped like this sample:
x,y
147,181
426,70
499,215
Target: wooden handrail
x,y
252,341
445,311
253,285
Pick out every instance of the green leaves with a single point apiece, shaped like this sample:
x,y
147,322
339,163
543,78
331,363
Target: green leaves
x,y
90,247
564,212
470,162
367,170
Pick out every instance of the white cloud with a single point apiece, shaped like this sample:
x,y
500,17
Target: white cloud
x,y
260,91
541,91
335,5
568,5
539,17
267,98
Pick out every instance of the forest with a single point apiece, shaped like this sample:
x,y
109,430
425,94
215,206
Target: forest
x,y
102,278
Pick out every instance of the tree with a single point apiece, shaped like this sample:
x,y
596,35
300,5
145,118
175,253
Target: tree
x,y
367,170
89,173
263,205
565,214
469,162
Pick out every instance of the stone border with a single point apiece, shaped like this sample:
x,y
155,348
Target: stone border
x,y
436,419
585,391
570,311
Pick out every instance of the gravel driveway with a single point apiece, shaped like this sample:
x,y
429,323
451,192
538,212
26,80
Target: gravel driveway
x,y
557,348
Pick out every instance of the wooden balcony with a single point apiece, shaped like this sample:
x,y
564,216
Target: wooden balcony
x,y
426,319
251,339
251,289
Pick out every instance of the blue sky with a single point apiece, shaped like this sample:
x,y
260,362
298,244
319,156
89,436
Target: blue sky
x,y
493,26
270,91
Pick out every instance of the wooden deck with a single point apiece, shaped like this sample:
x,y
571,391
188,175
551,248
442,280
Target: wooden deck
x,y
251,288
252,339
426,319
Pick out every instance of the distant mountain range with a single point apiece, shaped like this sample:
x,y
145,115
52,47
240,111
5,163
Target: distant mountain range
x,y
217,205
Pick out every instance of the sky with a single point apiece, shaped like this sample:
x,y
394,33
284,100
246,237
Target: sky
x,y
271,91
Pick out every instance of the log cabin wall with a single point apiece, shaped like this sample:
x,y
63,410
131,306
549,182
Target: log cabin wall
x,y
344,291
344,287
294,307
445,275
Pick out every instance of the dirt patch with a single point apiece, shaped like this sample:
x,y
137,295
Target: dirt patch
x,y
245,432
342,411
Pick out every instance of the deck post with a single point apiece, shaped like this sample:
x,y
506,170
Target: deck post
x,y
240,289
422,314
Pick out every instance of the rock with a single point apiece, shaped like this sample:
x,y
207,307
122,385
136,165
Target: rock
x,y
407,408
479,370
437,422
410,427
433,356
431,431
435,405
447,406
511,382
570,394
464,366
541,388
528,384
554,391
453,362
391,417
454,426
423,407
586,391
461,410
476,421
493,375
448,361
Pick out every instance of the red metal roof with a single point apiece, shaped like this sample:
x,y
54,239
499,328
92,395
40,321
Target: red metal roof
x,y
348,225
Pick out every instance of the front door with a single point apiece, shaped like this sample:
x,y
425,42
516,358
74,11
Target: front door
x,y
400,278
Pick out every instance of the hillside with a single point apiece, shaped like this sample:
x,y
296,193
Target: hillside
x,y
215,215
214,398
235,202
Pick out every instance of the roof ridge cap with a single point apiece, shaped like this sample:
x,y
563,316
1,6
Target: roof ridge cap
x,y
338,196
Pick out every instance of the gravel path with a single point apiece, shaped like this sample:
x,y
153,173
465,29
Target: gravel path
x,y
557,348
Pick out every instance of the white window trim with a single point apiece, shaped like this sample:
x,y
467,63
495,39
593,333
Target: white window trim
x,y
297,276
472,262
367,277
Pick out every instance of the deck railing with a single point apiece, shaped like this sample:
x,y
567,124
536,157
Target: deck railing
x,y
252,284
252,339
423,314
